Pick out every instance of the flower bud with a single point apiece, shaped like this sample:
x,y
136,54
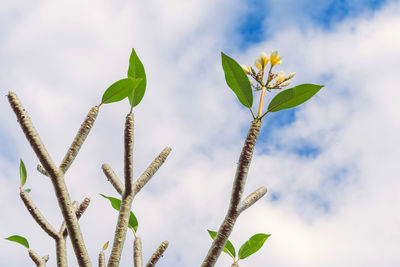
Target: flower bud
x,y
286,83
245,68
290,76
281,76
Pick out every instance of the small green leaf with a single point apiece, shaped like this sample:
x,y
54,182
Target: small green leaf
x,y
28,190
293,97
228,249
133,222
22,173
252,245
136,70
116,204
237,80
120,89
19,239
106,245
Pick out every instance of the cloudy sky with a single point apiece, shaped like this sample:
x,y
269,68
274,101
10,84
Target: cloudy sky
x,y
330,165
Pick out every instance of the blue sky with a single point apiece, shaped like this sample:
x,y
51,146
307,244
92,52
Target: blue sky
x,y
330,165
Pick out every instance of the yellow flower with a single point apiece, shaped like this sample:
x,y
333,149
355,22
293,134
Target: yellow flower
x,y
262,61
245,68
274,58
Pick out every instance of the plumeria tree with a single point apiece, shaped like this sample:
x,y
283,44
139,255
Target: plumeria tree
x,y
241,79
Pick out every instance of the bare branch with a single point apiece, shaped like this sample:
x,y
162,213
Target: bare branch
x,y
157,254
78,212
237,190
102,261
127,196
40,262
113,178
137,252
57,178
151,170
34,211
80,137
252,198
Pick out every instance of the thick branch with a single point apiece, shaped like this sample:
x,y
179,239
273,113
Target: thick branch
x,y
40,262
113,178
137,252
252,198
80,137
57,178
157,254
34,211
237,190
127,196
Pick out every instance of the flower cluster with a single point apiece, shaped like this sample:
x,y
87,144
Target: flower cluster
x,y
274,81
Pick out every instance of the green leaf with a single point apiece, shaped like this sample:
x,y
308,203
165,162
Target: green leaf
x,y
22,173
120,89
133,222
105,246
252,245
237,80
136,70
28,190
19,239
293,97
228,249
116,204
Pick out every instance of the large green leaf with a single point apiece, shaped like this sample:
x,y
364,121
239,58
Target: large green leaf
x,y
22,173
293,97
252,245
237,80
136,70
116,204
120,89
228,249
19,239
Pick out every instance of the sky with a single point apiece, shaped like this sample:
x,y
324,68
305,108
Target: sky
x,y
330,165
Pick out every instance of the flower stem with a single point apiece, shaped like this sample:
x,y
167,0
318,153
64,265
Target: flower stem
x,y
260,106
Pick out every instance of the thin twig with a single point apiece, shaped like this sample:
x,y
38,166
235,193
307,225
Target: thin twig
x,y
39,218
252,198
127,196
80,137
113,178
57,178
137,252
151,170
237,190
157,254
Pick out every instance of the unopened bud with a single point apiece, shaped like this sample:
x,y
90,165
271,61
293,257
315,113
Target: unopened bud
x,y
245,68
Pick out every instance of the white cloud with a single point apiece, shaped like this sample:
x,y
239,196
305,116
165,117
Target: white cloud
x,y
60,57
